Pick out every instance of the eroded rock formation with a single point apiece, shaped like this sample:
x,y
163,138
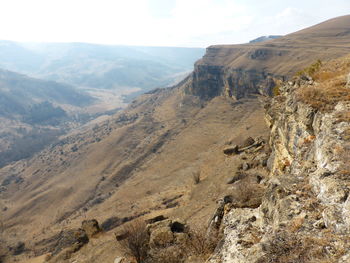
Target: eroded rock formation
x,y
304,212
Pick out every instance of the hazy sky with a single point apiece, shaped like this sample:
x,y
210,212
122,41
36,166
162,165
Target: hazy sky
x,y
160,22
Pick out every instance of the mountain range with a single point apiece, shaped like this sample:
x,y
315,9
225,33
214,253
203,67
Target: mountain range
x,y
100,66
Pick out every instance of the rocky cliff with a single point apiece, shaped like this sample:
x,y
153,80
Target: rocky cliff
x,y
304,211
238,71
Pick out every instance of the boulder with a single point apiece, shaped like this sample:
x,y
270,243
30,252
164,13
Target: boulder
x,y
121,235
91,227
231,150
161,237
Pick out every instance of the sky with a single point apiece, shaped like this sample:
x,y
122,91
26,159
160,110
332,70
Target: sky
x,y
186,23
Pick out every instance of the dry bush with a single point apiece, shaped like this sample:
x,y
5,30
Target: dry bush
x,y
286,247
326,75
199,243
136,243
196,177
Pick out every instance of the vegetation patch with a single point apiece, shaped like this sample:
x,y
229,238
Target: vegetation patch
x,y
330,85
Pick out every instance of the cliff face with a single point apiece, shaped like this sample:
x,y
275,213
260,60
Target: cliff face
x,y
211,81
304,213
237,71
213,76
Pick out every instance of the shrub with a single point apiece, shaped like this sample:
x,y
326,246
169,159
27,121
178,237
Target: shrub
x,y
311,70
199,243
196,177
136,243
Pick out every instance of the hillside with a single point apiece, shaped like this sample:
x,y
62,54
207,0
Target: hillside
x,y
34,112
92,66
140,163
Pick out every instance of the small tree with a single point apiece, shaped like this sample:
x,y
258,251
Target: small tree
x,y
136,242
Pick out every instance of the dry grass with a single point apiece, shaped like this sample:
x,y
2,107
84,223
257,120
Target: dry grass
x,y
343,117
331,87
324,97
288,247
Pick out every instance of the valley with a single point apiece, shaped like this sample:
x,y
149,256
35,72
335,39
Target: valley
x,y
252,145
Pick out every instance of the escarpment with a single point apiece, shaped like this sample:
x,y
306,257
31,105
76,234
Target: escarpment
x,y
304,212
282,188
237,71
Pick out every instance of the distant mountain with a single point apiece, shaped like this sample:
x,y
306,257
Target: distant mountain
x,y
100,66
264,38
33,113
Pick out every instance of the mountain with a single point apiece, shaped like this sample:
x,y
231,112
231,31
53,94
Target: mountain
x,y
259,184
94,66
34,112
264,38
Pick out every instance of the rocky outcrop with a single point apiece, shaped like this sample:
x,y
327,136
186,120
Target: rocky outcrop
x,y
238,71
304,213
209,81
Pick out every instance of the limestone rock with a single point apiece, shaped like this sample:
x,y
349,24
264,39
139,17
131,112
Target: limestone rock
x,y
161,237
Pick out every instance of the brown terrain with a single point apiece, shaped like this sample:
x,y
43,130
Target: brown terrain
x,y
142,162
